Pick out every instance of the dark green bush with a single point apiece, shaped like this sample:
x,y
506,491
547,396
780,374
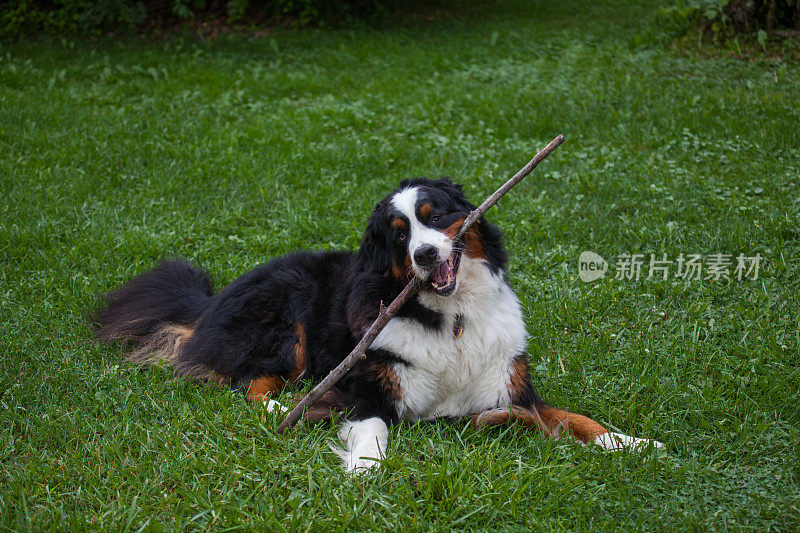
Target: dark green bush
x,y
57,17
68,16
721,19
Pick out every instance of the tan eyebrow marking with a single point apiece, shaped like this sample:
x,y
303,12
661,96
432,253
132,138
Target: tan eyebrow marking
x,y
399,223
425,210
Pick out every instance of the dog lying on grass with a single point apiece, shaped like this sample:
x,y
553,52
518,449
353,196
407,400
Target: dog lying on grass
x,y
457,349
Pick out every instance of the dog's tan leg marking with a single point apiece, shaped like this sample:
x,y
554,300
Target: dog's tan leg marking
x,y
300,353
587,430
561,422
262,388
553,421
500,416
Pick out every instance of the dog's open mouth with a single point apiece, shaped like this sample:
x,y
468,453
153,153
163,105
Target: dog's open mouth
x,y
442,278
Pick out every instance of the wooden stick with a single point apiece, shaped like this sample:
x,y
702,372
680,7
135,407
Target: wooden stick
x,y
359,352
386,313
519,176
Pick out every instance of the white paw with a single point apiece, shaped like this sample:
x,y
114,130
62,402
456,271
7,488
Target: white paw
x,y
365,442
355,465
272,405
620,441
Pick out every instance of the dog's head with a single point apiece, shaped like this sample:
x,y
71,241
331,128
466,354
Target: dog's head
x,y
411,233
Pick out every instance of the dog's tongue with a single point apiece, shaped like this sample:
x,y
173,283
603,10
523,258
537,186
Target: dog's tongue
x,y
440,274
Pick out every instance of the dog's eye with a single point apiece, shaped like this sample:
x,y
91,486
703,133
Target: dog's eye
x,y
434,219
401,236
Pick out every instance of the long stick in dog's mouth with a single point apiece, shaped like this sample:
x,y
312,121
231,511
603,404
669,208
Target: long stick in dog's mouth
x,y
386,313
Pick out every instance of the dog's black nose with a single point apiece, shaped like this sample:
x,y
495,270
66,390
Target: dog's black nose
x,y
426,255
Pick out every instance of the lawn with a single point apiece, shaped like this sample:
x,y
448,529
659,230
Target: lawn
x,y
231,151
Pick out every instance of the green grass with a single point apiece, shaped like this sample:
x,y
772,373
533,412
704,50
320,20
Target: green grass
x,y
232,151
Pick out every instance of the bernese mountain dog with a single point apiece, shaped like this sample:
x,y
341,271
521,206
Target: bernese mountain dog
x,y
457,349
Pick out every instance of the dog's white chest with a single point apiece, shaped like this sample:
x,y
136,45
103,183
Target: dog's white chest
x,y
456,376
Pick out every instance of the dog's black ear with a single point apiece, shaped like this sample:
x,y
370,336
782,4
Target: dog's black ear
x,y
493,244
375,253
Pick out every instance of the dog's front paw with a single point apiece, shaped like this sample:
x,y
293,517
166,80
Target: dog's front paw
x,y
365,444
355,465
362,465
272,405
620,441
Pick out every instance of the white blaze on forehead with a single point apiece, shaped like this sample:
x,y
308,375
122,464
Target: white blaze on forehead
x,y
419,234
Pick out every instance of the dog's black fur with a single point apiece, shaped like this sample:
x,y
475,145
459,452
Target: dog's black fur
x,y
298,316
249,329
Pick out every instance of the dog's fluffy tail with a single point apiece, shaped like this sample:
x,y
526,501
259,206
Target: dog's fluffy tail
x,y
155,311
